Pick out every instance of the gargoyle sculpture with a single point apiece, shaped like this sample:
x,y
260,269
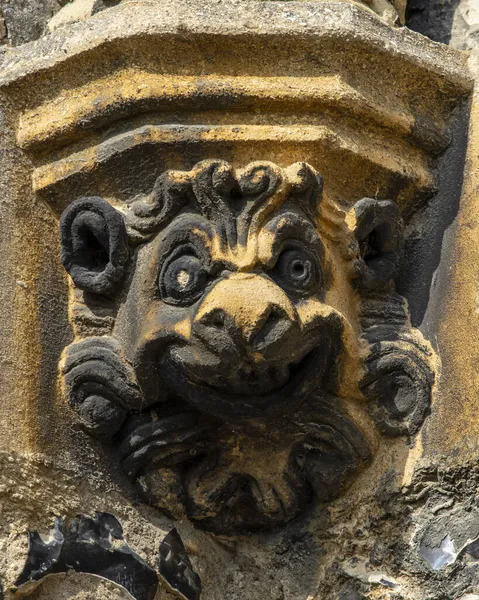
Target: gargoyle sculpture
x,y
236,330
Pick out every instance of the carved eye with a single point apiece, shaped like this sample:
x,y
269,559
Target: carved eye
x,y
183,280
296,269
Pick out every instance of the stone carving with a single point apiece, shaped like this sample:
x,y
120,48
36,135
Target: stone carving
x,y
231,327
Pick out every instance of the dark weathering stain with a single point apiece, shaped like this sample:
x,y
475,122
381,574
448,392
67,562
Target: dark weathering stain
x,y
175,566
427,242
432,18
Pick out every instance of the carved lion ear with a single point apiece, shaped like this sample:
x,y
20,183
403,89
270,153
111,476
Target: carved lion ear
x,y
379,232
94,245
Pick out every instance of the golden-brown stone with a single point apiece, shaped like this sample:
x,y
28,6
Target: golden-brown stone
x,y
105,108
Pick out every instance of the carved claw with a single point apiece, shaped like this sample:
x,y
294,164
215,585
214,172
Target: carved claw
x,y
166,442
156,450
99,384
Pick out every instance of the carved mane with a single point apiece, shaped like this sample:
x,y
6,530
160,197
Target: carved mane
x,y
239,200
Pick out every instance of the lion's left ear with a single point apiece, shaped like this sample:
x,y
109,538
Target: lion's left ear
x,y
379,232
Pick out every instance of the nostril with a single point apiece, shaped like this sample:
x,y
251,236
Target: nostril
x,y
271,322
215,318
276,313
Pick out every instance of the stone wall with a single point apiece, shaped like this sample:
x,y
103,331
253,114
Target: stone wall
x,y
239,300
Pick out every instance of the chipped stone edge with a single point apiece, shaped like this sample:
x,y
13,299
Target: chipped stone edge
x,y
235,18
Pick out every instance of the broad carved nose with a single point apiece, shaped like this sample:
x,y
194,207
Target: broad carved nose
x,y
251,310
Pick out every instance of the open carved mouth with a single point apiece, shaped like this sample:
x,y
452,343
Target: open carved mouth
x,y
252,379
261,392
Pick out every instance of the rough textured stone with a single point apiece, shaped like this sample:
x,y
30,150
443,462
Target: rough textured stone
x,y
26,20
465,32
241,178
454,22
22,21
79,10
433,18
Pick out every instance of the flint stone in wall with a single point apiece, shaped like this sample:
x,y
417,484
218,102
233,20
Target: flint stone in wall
x,y
406,528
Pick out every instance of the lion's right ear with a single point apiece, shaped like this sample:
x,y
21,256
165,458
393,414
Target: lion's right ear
x,y
94,245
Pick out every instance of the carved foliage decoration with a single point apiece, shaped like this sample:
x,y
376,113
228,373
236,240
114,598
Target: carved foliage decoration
x,y
217,339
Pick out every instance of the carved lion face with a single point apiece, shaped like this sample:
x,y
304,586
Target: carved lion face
x,y
235,346
227,308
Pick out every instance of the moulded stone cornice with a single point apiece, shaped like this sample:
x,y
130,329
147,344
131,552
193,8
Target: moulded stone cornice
x,y
238,18
326,82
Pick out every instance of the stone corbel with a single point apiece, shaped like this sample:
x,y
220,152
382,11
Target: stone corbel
x,y
232,202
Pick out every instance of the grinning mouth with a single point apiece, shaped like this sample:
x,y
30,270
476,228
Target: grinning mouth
x,y
251,392
252,379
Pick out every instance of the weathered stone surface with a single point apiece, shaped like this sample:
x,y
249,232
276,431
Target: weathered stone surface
x,y
22,21
465,32
433,18
79,10
25,20
454,22
256,179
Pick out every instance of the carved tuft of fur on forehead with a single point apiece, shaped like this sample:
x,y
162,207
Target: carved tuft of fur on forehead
x,y
238,202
